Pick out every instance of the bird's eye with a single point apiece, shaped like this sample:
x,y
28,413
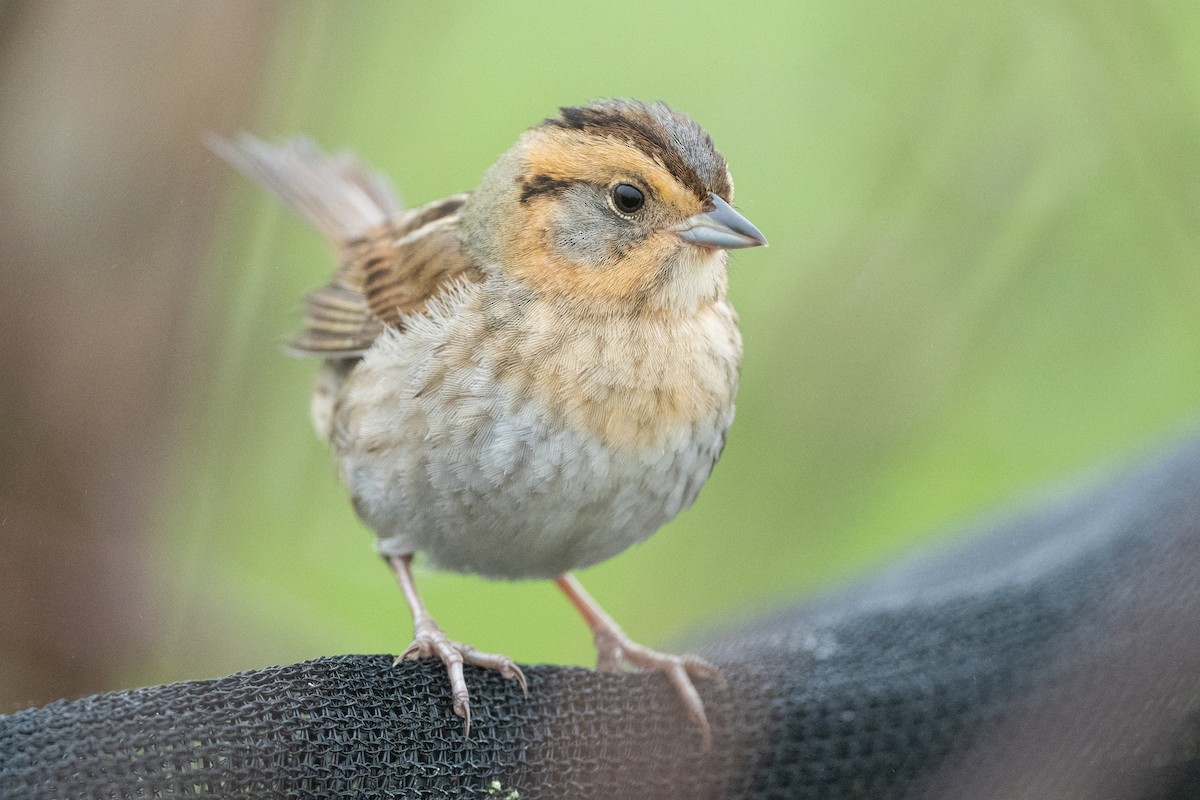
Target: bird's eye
x,y
627,199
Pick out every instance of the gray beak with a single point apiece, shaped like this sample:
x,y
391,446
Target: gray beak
x,y
722,228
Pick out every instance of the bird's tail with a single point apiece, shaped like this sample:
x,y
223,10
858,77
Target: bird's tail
x,y
337,195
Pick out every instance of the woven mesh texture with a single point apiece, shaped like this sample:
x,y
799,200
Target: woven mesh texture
x,y
1052,653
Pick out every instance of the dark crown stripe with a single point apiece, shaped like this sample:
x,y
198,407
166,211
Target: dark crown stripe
x,y
640,131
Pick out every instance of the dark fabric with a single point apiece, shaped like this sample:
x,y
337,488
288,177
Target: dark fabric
x,y
1052,653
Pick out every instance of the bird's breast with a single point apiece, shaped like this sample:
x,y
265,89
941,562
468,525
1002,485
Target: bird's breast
x,y
535,443
634,382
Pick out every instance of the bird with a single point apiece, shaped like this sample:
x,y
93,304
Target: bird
x,y
528,378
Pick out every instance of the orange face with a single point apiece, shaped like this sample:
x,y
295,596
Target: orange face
x,y
573,191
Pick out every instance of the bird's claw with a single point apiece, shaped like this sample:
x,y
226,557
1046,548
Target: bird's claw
x,y
429,641
615,648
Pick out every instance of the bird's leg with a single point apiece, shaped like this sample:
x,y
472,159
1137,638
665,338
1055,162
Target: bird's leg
x,y
429,641
613,648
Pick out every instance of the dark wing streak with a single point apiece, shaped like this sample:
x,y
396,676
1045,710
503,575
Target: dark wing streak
x,y
424,263
430,212
384,278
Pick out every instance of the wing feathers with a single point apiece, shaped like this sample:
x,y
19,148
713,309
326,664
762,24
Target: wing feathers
x,y
392,261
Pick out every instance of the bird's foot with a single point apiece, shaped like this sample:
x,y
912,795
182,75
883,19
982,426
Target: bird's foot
x,y
614,648
430,642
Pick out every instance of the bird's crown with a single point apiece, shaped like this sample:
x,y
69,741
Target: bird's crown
x,y
671,139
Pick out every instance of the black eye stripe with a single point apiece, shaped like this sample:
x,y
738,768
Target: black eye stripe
x,y
625,197
543,185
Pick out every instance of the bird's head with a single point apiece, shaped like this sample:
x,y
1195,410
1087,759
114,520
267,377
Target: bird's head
x,y
616,202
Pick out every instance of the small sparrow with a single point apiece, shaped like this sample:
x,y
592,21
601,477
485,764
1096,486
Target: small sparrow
x,y
529,378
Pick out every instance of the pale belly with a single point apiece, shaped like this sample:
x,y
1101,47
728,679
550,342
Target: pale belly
x,y
486,482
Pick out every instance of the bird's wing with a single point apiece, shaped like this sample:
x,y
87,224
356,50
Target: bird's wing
x,y
391,261
386,274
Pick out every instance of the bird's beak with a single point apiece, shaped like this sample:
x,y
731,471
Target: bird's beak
x,y
722,228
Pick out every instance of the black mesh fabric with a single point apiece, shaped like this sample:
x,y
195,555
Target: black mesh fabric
x,y
1054,653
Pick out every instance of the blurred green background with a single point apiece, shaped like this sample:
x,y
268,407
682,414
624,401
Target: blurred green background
x,y
984,274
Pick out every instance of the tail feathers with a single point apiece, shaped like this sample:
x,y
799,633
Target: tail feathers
x,y
336,194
